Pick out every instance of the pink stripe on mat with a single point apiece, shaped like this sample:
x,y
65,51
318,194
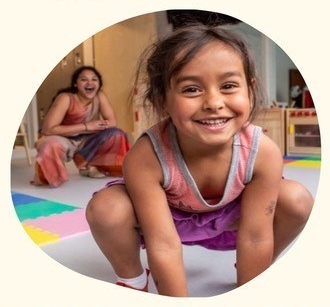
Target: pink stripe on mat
x,y
65,224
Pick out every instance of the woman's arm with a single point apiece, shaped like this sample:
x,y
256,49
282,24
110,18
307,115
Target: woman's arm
x,y
53,120
107,110
143,177
255,242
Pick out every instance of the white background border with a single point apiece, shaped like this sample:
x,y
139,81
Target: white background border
x,y
36,34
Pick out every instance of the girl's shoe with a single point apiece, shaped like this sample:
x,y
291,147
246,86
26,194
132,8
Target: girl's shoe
x,y
145,289
91,172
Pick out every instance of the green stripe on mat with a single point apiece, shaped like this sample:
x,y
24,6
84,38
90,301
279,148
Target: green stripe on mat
x,y
42,208
313,158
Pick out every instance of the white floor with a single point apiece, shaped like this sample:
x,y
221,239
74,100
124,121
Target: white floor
x,y
209,272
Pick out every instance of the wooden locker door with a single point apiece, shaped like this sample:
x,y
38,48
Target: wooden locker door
x,y
58,78
272,122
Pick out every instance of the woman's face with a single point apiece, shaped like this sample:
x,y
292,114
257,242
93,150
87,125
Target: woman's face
x,y
208,99
87,84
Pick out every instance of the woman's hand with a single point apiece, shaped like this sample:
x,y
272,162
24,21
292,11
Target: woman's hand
x,y
96,125
107,110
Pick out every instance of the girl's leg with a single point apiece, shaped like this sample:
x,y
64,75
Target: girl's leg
x,y
114,227
294,205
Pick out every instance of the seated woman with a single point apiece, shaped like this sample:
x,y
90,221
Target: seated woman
x,y
80,126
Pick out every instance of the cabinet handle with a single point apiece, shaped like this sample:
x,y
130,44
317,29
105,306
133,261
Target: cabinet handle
x,y
291,129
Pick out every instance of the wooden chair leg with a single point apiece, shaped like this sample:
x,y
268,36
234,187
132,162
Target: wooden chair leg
x,y
22,133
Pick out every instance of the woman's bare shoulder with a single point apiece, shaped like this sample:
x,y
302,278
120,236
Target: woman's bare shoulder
x,y
62,99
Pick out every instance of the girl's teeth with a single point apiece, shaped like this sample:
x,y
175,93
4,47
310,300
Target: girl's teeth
x,y
213,121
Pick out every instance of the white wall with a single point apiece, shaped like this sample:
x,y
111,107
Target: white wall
x,y
283,65
272,62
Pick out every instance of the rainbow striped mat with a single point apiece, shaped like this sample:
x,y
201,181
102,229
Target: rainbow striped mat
x,y
297,161
47,221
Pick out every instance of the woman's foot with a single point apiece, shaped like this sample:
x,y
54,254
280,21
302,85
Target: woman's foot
x,y
91,172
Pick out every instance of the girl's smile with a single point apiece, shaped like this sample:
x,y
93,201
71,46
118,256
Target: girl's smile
x,y
213,124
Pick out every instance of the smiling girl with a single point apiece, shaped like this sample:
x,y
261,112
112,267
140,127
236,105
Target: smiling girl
x,y
80,125
203,175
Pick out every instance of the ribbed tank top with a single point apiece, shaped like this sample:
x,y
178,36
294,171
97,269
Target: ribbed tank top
x,y
180,187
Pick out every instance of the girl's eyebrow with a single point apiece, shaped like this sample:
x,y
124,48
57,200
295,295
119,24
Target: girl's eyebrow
x,y
225,75
186,78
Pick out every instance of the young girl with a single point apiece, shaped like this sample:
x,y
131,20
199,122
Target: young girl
x,y
204,175
80,125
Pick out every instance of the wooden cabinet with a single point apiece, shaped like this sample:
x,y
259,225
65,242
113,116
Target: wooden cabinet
x,y
272,122
302,132
295,131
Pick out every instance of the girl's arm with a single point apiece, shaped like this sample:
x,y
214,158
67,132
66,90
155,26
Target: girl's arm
x,y
106,109
143,177
255,241
53,120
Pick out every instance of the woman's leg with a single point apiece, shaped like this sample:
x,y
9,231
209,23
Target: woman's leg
x,y
294,206
53,152
114,227
105,150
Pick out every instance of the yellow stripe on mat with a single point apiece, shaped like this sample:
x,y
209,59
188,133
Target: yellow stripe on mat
x,y
305,163
39,236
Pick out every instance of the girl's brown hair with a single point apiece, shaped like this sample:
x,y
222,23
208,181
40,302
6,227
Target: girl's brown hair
x,y
165,58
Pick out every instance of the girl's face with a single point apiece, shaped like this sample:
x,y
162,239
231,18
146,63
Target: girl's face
x,y
208,99
87,84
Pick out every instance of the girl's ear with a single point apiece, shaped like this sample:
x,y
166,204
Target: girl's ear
x,y
253,84
251,91
251,105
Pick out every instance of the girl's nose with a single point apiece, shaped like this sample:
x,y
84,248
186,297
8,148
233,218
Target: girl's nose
x,y
213,102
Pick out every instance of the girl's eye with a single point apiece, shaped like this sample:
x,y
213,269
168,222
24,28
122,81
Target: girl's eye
x,y
228,86
190,90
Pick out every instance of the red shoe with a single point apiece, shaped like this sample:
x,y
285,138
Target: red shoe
x,y
145,289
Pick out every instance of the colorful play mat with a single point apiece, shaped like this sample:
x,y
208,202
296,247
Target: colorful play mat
x,y
47,221
309,162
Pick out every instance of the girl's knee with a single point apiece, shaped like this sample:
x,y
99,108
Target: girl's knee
x,y
96,207
109,208
295,201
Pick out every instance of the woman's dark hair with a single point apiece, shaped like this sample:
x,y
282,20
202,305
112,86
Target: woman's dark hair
x,y
165,58
72,88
